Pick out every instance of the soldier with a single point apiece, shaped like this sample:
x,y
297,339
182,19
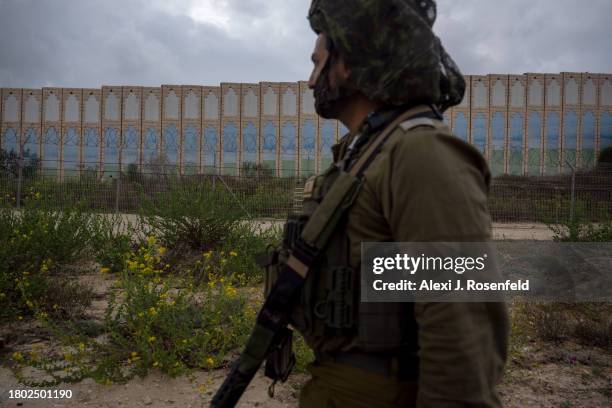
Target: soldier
x,y
376,61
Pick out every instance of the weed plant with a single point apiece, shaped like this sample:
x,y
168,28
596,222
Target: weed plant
x,y
38,245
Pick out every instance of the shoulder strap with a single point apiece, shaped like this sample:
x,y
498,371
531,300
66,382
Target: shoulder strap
x,y
339,198
406,121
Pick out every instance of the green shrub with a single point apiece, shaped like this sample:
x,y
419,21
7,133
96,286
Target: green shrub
x,y
37,246
189,217
112,239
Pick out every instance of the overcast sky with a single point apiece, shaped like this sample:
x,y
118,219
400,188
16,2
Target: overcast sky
x,y
90,43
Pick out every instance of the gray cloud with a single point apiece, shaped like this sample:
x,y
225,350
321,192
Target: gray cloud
x,y
89,43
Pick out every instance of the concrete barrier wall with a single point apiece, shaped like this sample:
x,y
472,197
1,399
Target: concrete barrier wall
x,y
532,124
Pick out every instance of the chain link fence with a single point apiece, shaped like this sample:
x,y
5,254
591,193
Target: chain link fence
x,y
256,193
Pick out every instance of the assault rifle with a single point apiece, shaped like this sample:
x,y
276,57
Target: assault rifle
x,y
270,338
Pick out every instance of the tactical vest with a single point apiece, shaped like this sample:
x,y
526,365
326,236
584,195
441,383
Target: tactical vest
x,y
329,313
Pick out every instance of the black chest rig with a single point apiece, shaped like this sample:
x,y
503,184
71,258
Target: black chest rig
x,y
327,311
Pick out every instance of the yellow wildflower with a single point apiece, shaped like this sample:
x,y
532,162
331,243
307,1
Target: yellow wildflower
x,y
230,291
55,307
232,253
161,250
19,317
29,304
151,240
82,346
210,361
132,264
202,388
105,270
17,356
68,357
207,254
152,311
155,364
152,339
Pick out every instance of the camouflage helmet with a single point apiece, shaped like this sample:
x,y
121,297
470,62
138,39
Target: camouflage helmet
x,y
391,50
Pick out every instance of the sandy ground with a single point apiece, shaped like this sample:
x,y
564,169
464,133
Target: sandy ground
x,y
540,375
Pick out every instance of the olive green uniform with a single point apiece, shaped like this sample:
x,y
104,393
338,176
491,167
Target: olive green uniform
x,y
424,185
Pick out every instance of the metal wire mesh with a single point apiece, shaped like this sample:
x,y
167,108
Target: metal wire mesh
x,y
258,193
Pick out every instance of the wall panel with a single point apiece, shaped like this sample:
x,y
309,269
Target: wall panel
x,y
11,119
230,127
211,126
51,131
553,123
171,128
191,129
588,120
151,106
72,111
270,126
131,128
31,126
308,136
517,103
498,124
605,112
479,113
289,123
534,153
249,128
111,130
459,121
92,130
572,114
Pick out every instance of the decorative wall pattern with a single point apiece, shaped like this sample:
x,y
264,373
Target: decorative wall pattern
x,y
524,124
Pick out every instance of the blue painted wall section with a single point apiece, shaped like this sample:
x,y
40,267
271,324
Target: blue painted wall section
x,y
534,143
498,139
51,151
515,158
460,126
191,149
131,147
307,154
288,142
327,141
589,130
479,132
553,128
230,149
269,145
71,147
91,149
209,151
249,144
